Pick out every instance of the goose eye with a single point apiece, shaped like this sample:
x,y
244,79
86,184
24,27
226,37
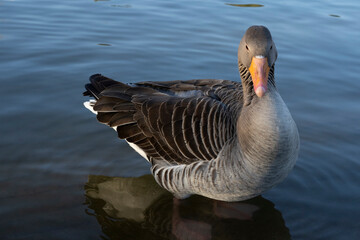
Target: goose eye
x,y
247,48
271,47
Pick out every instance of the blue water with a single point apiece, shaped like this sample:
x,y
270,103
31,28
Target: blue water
x,y
52,150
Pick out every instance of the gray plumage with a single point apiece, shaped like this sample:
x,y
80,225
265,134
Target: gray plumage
x,y
216,138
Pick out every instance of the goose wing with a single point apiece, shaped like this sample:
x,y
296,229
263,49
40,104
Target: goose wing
x,y
176,121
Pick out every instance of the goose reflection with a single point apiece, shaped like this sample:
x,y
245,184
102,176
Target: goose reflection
x,y
137,208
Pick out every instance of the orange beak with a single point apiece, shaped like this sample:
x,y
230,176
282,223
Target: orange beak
x,y
259,70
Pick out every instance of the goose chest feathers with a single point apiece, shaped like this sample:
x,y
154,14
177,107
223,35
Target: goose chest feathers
x,y
221,139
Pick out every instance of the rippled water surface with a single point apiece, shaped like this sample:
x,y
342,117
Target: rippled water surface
x,y
65,176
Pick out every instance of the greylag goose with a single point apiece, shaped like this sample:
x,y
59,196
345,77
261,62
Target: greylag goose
x,y
221,139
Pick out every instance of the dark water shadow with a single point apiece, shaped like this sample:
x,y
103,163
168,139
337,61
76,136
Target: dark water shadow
x,y
244,5
137,208
104,44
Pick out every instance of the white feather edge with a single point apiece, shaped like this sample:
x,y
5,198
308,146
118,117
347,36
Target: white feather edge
x,y
138,150
89,105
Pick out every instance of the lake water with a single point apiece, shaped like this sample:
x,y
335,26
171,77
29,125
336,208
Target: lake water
x,y
65,176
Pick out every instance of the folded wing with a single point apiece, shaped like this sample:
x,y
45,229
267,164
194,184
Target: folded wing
x,y
177,121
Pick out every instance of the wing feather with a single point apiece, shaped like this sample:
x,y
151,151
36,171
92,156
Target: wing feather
x,y
196,127
175,121
205,137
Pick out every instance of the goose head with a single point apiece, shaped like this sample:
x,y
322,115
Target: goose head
x,y
257,52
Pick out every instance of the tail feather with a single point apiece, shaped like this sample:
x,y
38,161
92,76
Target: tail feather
x,y
97,84
112,103
114,107
104,117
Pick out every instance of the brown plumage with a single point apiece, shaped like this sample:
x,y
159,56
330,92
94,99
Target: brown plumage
x,y
176,121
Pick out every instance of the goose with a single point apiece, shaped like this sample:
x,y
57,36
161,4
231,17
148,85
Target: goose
x,y
221,139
